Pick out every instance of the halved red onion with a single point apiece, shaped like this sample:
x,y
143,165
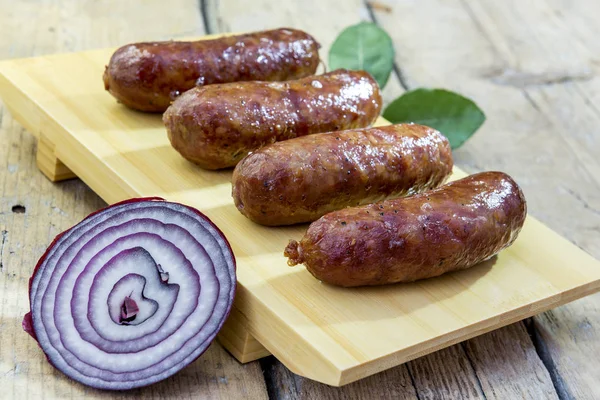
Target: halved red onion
x,y
131,294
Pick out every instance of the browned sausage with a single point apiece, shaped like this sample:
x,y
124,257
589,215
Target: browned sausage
x,y
453,227
216,126
302,179
148,76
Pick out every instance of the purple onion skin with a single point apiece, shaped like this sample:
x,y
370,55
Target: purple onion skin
x,y
28,324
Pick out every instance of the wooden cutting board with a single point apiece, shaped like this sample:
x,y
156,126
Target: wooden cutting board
x,y
329,334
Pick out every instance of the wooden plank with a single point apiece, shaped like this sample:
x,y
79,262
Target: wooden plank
x,y
531,66
442,376
48,162
568,101
236,338
250,19
33,210
509,350
445,374
121,154
508,317
566,336
394,383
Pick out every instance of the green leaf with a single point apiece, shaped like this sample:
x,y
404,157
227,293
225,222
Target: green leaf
x,y
364,46
450,113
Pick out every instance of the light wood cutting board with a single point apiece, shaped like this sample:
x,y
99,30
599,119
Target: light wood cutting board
x,y
332,335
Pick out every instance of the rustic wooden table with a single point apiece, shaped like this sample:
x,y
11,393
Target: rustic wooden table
x,y
531,65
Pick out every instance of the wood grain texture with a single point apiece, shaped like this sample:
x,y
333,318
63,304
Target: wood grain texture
x,y
436,375
317,330
568,98
33,210
445,374
532,66
567,335
283,384
236,338
48,162
433,376
509,351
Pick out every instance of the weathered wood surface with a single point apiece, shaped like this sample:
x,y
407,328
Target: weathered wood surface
x,y
316,331
33,210
532,66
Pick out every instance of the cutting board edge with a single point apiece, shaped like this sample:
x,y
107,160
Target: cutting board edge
x,y
340,376
470,331
10,93
347,374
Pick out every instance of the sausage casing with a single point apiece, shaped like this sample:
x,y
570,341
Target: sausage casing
x,y
148,76
302,179
453,227
216,126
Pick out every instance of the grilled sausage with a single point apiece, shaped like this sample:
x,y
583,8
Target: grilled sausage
x,y
302,179
453,227
148,76
216,126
